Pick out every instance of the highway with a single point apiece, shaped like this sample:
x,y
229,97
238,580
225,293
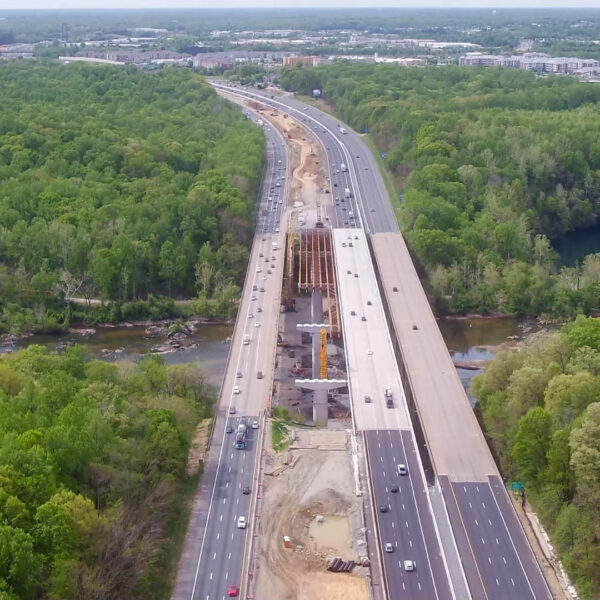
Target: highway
x,y
215,548
476,503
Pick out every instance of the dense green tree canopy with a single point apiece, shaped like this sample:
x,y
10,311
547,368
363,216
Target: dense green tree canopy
x,y
112,180
541,410
92,459
493,165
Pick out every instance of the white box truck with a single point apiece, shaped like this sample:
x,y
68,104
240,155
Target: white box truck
x,y
347,193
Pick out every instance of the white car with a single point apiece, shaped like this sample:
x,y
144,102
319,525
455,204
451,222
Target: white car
x,y
389,547
236,389
258,270
257,324
255,424
402,470
250,316
241,523
409,565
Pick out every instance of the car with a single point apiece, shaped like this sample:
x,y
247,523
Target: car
x,y
369,303
384,508
246,490
239,374
363,318
402,470
259,309
262,289
367,399
254,287
261,254
388,547
236,389
409,565
394,488
355,274
349,272
229,428
257,324
241,522
259,375
252,297
250,316
352,313
258,270
269,272
255,424
267,259
370,352
232,410
232,590
343,246
395,289
272,259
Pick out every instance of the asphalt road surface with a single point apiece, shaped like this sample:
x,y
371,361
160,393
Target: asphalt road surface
x,y
215,548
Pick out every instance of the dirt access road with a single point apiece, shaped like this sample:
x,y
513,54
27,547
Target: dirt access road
x,y
315,482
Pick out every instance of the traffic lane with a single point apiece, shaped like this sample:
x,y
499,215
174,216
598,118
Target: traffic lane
x,y
222,560
523,549
398,525
426,521
422,530
499,562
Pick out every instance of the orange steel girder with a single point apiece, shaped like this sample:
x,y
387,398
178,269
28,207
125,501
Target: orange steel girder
x,y
316,270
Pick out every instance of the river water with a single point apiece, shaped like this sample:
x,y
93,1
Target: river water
x,y
210,346
468,340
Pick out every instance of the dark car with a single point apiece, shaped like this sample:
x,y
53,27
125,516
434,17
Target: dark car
x,y
394,488
229,429
246,490
384,508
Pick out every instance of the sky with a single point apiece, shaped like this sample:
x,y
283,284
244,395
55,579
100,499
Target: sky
x,y
107,4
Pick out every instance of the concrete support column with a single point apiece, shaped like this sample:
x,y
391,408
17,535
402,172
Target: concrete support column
x,y
320,407
316,314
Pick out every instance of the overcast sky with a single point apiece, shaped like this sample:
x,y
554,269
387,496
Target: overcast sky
x,y
52,4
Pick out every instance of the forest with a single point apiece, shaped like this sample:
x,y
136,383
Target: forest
x,y
540,408
120,185
93,484
493,165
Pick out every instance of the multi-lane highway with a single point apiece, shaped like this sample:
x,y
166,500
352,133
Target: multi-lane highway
x,y
215,548
476,503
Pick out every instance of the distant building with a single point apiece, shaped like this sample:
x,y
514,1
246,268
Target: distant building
x,y
537,62
307,61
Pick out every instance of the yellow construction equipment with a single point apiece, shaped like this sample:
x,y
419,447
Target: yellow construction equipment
x,y
323,354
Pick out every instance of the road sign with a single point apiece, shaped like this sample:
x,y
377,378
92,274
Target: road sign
x,y
516,486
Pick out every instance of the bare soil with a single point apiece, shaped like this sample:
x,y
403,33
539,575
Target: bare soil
x,y
315,483
198,447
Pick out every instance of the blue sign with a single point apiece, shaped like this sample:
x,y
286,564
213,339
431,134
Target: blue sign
x,y
516,486
316,93
365,130
383,155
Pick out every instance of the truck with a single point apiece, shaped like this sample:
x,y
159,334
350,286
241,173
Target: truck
x,y
242,427
343,168
343,130
347,193
240,440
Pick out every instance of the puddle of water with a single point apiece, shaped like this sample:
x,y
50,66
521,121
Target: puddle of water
x,y
332,533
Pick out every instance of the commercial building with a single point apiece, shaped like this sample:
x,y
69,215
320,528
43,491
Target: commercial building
x,y
537,62
307,61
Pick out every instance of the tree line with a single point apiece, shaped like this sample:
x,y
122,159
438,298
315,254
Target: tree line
x,y
494,164
92,473
540,408
116,183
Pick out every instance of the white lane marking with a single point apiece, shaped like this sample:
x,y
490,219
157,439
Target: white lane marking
x,y
406,523
477,487
497,582
224,500
490,522
403,586
232,536
229,470
381,458
227,576
210,576
410,543
384,473
497,542
393,524
512,581
221,518
483,504
227,484
470,505
419,584
476,523
490,559
403,507
504,559
232,456
483,541
214,556
229,556
218,535
237,501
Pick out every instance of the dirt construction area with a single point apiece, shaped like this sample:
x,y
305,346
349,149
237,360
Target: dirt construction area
x,y
299,486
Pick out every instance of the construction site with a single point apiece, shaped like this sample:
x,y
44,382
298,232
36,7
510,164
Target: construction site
x,y
314,542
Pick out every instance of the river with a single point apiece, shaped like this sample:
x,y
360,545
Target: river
x,y
210,346
468,340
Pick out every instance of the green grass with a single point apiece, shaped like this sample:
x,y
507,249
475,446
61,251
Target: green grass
x,y
280,439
